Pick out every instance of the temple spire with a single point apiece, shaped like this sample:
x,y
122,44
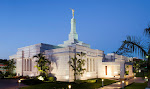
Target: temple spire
x,y
73,34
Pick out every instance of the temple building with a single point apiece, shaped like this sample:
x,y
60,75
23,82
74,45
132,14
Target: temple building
x,y
97,64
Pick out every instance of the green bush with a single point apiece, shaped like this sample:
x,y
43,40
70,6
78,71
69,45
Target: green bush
x,y
127,72
1,74
6,74
91,81
86,81
51,79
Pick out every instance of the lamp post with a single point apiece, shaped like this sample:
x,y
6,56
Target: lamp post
x,y
69,86
134,79
102,82
123,84
19,81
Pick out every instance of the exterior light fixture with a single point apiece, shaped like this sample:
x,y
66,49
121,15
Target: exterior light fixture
x,y
140,71
69,86
102,82
145,77
19,81
134,79
123,84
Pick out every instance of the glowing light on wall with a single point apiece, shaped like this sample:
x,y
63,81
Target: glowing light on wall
x,y
40,78
119,82
88,75
127,83
115,73
66,77
31,75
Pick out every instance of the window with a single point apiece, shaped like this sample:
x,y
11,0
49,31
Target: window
x,y
106,70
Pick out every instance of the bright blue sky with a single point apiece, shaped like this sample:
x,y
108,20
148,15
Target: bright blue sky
x,y
101,23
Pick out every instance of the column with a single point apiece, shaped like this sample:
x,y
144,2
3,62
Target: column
x,y
122,69
26,65
30,64
89,65
92,64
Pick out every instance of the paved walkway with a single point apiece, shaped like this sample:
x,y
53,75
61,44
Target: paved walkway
x,y
118,85
10,84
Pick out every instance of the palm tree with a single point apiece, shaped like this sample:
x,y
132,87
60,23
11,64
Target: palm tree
x,y
42,64
77,64
133,45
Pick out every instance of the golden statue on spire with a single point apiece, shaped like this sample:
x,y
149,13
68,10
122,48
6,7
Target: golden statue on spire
x,y
72,12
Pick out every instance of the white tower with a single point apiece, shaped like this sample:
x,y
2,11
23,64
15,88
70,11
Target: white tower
x,y
73,36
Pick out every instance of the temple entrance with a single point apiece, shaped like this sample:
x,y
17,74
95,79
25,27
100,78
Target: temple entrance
x,y
106,70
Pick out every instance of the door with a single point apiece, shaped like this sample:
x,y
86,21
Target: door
x,y
106,70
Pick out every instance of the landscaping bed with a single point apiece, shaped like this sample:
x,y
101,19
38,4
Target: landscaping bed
x,y
81,84
137,86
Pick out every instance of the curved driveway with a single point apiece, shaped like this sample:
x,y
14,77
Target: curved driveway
x,y
10,84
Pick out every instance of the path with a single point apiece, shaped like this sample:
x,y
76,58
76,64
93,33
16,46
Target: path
x,y
10,84
117,85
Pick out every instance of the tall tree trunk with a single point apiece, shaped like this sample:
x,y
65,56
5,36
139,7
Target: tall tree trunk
x,y
75,76
148,66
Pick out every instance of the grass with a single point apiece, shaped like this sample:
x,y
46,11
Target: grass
x,y
64,85
137,86
141,74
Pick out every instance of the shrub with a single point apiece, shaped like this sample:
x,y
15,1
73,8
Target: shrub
x,y
6,74
91,81
51,79
1,74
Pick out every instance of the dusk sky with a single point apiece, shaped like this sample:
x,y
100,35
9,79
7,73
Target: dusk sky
x,y
103,24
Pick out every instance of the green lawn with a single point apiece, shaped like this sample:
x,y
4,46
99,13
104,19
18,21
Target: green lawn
x,y
137,86
141,74
61,85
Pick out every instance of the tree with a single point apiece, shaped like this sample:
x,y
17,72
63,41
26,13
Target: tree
x,y
77,64
42,64
139,64
133,45
10,66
